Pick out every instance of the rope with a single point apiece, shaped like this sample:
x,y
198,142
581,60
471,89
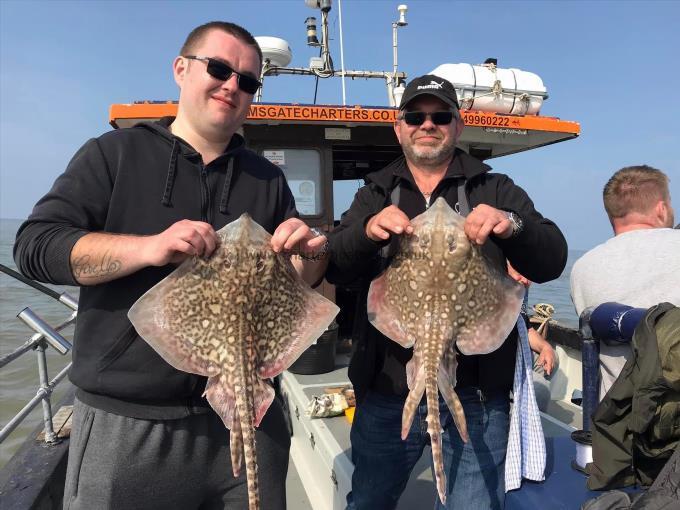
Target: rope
x,y
543,313
497,88
524,98
497,91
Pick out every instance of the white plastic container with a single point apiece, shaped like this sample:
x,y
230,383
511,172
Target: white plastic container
x,y
488,88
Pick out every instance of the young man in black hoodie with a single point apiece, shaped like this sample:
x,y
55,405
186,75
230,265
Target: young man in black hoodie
x,y
506,225
131,205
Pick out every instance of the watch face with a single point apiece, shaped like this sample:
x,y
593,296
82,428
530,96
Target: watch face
x,y
517,223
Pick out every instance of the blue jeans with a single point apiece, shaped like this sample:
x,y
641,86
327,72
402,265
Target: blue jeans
x,y
383,462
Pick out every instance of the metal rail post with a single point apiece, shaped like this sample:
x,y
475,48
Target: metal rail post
x,y
590,369
50,436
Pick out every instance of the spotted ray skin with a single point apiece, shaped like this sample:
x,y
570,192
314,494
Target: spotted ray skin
x,y
242,316
437,293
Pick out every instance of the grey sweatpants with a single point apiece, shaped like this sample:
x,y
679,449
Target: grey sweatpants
x,y
117,462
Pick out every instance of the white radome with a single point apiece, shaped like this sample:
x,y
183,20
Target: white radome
x,y
276,50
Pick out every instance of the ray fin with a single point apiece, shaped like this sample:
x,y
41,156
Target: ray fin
x,y
446,379
384,317
223,400
149,317
415,376
489,332
277,347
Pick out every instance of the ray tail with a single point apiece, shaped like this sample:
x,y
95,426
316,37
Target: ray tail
x,y
434,428
245,374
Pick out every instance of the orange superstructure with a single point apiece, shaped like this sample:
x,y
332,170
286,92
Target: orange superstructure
x,y
123,115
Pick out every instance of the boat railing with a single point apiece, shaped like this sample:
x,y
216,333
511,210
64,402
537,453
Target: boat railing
x,y
44,336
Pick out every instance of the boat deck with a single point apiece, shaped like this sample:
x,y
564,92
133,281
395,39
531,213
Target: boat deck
x,y
320,471
320,450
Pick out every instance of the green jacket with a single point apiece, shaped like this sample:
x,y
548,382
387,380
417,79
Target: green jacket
x,y
636,427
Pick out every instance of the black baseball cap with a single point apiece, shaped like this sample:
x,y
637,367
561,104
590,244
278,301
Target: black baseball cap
x,y
432,85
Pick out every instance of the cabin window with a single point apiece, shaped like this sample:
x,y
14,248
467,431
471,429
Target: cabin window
x,y
302,168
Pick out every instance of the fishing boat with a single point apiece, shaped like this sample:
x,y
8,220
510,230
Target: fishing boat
x,y
318,147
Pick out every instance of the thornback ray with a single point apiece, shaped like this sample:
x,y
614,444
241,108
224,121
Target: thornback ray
x,y
439,293
240,317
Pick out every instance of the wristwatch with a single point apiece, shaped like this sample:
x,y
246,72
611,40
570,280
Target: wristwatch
x,y
321,253
516,222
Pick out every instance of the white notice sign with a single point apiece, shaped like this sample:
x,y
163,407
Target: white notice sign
x,y
338,134
304,193
276,157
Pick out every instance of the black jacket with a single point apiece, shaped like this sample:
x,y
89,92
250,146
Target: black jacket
x,y
539,252
139,181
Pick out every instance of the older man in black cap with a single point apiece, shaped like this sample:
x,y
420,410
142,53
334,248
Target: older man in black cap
x,y
504,222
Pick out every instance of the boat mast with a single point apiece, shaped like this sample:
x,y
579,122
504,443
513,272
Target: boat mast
x,y
323,67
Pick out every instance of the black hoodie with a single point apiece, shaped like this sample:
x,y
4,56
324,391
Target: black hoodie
x,y
539,252
139,181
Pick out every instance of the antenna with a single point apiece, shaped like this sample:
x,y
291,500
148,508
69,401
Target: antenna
x,y
342,55
322,67
395,86
402,15
311,32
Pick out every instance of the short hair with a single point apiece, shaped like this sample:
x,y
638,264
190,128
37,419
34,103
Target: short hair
x,y
197,34
634,189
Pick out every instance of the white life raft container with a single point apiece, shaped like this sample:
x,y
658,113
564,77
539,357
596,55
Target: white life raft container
x,y
488,88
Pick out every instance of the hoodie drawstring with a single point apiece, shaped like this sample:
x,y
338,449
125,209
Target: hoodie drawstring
x,y
172,172
227,186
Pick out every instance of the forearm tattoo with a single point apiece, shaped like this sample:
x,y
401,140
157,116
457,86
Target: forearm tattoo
x,y
88,267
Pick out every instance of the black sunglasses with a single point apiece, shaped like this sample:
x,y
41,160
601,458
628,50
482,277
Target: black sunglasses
x,y
221,71
418,118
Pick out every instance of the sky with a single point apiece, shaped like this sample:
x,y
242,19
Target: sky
x,y
611,66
